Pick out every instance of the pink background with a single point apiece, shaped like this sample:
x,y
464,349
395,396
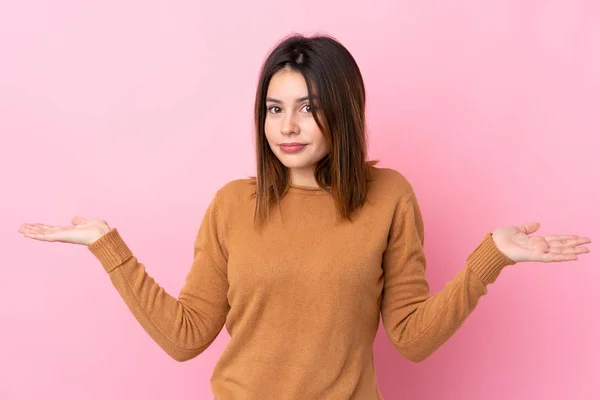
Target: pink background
x,y
138,111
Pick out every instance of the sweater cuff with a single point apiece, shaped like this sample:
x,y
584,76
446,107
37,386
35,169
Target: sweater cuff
x,y
111,250
487,261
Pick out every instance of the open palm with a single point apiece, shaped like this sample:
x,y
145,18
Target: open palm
x,y
83,231
516,244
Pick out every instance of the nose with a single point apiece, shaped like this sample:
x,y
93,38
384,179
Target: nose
x,y
288,125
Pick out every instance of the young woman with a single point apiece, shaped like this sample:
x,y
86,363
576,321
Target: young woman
x,y
299,261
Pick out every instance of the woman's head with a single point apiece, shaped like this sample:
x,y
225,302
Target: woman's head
x,y
310,91
289,119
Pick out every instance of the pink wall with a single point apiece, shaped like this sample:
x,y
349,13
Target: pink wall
x,y
137,111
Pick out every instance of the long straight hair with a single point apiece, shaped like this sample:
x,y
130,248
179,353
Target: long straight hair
x,y
337,100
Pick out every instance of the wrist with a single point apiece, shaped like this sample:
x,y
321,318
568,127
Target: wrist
x,y
103,230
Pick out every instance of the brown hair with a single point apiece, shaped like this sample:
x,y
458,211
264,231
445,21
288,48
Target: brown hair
x,y
336,86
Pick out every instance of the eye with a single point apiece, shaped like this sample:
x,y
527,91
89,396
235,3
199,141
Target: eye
x,y
271,108
308,105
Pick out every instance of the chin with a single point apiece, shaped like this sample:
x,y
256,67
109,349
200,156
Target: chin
x,y
296,164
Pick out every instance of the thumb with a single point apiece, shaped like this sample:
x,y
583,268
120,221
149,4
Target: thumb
x,y
77,220
529,227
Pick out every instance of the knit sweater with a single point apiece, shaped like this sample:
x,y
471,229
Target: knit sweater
x,y
302,298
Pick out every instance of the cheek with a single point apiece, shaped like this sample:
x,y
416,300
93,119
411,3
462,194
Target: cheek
x,y
311,129
322,146
319,143
315,134
269,131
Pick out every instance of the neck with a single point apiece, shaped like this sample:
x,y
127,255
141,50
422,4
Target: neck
x,y
303,177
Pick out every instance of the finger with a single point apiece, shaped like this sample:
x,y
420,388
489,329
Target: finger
x,y
37,226
569,250
529,227
550,238
584,239
43,232
550,257
28,225
581,250
32,228
40,228
568,242
76,220
50,228
580,241
41,235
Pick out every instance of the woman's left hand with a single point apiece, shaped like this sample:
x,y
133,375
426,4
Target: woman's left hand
x,y
515,243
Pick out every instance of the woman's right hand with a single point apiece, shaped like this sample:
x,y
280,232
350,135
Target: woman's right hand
x,y
84,231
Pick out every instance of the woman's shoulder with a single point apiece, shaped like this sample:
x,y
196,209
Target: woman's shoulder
x,y
392,180
236,190
233,199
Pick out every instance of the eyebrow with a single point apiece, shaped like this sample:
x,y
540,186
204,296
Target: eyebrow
x,y
280,102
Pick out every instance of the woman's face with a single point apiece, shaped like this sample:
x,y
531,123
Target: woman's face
x,y
289,120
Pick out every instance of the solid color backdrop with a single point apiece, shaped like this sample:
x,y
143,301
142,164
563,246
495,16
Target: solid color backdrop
x,y
138,111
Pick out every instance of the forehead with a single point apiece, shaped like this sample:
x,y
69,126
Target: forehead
x,y
289,86
286,82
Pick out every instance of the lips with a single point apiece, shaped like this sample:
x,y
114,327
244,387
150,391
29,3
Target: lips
x,y
292,147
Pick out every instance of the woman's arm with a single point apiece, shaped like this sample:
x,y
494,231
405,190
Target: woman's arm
x,y
183,326
416,322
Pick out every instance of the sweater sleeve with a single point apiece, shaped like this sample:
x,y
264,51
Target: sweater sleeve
x,y
183,327
416,322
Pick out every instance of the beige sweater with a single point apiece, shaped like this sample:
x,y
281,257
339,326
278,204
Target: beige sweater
x,y
301,301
